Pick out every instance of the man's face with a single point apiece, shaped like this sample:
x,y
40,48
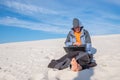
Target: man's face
x,y
77,29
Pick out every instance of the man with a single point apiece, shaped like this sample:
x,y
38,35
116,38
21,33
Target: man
x,y
79,36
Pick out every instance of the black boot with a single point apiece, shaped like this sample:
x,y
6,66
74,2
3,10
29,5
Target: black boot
x,y
92,64
92,61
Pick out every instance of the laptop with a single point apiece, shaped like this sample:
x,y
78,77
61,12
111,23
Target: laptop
x,y
75,48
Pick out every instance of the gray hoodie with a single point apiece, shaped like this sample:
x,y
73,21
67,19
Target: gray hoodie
x,y
85,38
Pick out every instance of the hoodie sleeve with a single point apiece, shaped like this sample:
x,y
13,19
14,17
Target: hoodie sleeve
x,y
68,41
88,42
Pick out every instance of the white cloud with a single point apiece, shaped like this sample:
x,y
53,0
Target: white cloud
x,y
28,8
10,21
91,16
116,2
99,26
104,14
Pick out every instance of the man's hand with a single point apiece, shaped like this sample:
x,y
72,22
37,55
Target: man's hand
x,y
76,44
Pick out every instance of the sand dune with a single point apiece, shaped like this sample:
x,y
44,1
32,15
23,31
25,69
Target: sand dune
x,y
29,60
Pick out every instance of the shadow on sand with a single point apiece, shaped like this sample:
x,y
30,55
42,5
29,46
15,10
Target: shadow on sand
x,y
87,73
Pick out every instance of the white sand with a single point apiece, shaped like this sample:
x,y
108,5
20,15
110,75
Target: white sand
x,y
29,60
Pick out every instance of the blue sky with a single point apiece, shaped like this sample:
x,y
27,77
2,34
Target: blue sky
x,y
26,20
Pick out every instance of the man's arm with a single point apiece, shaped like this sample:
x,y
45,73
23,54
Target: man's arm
x,y
87,37
88,42
68,41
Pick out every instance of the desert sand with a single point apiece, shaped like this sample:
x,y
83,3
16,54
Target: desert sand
x,y
29,60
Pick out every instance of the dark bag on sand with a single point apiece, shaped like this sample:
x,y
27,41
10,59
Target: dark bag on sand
x,y
64,62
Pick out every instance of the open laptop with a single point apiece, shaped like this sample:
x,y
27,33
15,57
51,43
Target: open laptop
x,y
75,48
